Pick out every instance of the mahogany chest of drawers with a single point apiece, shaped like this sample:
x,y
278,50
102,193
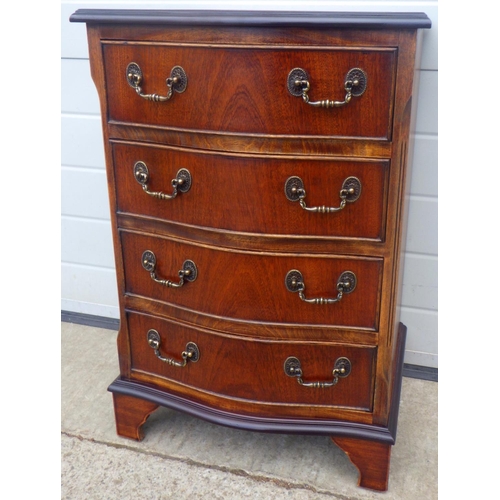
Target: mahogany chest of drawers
x,y
257,170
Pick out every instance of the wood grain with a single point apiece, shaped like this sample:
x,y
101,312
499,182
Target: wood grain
x,y
246,193
223,95
256,367
372,459
131,414
242,134
251,285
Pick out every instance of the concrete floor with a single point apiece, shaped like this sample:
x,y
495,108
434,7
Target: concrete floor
x,y
185,458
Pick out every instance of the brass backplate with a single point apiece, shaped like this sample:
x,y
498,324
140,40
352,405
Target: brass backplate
x,y
293,280
294,186
354,184
184,175
148,260
348,280
190,266
357,74
296,75
343,367
179,75
133,74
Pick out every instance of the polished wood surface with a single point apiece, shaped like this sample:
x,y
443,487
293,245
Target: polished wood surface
x,y
241,134
242,18
256,367
223,95
251,286
372,459
246,193
131,414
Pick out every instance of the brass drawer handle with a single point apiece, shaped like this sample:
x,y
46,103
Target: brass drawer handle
x,y
181,182
341,369
188,272
192,353
350,192
345,284
299,85
176,81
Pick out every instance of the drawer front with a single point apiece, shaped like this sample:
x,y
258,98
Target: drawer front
x,y
247,193
252,286
248,369
245,89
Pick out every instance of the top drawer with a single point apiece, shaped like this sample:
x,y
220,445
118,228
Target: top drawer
x,y
244,89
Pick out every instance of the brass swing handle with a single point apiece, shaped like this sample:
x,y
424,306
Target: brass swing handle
x,y
181,182
346,283
176,81
188,272
298,84
192,353
341,369
350,192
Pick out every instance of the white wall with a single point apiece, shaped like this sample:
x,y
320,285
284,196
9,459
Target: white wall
x,y
88,277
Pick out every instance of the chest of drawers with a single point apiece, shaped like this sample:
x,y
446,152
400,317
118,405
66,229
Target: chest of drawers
x,y
257,170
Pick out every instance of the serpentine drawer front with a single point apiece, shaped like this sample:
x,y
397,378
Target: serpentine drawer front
x,y
257,171
314,196
254,286
257,368
217,93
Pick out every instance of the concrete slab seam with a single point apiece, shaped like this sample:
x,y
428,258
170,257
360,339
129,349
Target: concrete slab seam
x,y
237,472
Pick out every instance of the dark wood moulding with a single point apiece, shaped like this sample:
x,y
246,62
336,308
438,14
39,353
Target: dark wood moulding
x,y
374,20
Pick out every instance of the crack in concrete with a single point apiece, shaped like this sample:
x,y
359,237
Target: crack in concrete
x,y
282,483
